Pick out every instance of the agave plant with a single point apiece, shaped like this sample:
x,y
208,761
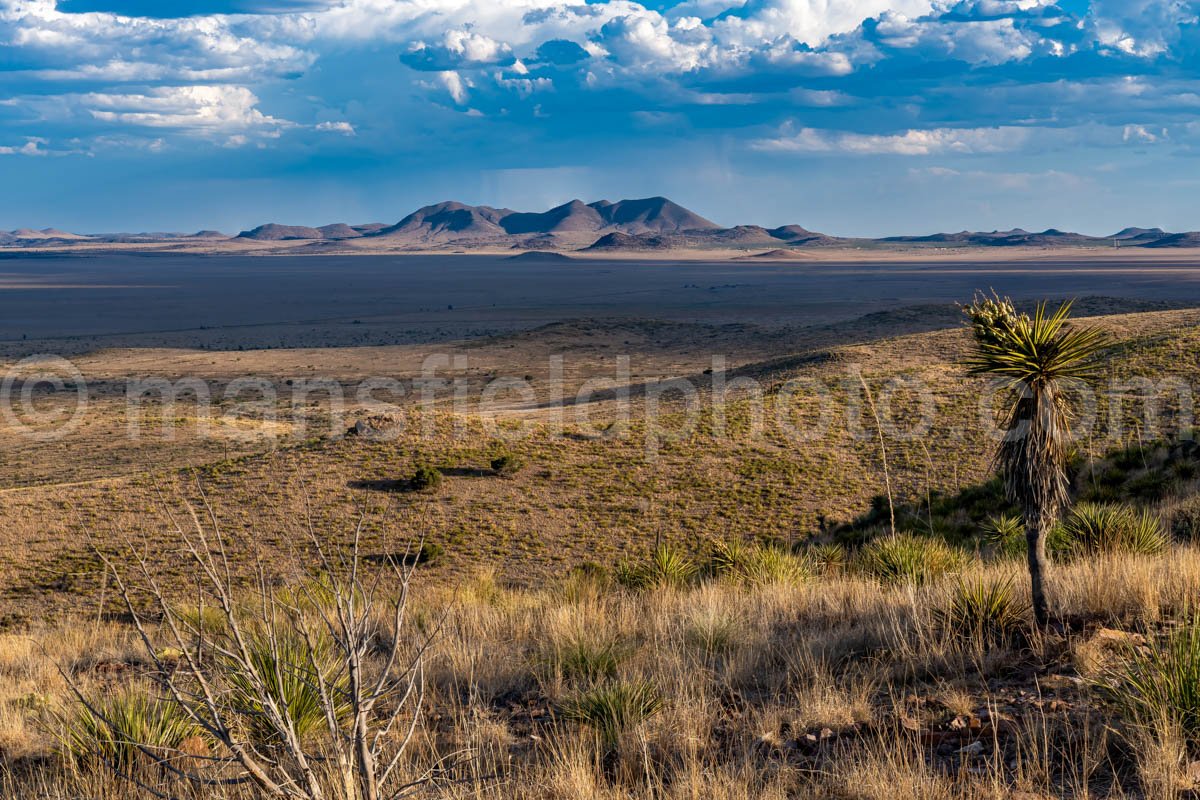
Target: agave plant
x,y
614,708
1037,358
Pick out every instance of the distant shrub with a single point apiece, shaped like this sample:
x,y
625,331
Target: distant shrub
x,y
614,708
905,558
425,479
666,567
427,553
987,611
1113,528
507,464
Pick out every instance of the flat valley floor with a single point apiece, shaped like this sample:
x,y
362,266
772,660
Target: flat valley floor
x,y
590,489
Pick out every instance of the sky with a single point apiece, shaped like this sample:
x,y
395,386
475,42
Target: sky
x,y
852,117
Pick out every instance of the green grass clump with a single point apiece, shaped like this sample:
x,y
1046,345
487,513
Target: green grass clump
x,y
667,567
756,564
987,611
1113,528
614,708
905,558
1160,682
128,728
587,658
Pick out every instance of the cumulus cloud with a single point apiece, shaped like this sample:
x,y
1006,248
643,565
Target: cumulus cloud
x,y
1141,27
934,70
192,109
458,48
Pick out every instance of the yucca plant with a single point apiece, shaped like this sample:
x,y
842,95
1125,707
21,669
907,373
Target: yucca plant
x,y
612,709
987,611
1160,681
1113,528
285,665
827,558
127,728
1037,358
1005,533
756,564
905,558
666,567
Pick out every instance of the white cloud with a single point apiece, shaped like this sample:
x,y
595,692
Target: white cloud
x,y
33,147
910,143
344,128
807,21
191,109
55,45
453,83
1140,27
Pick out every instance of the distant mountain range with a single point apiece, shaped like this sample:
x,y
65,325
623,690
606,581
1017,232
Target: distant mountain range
x,y
652,223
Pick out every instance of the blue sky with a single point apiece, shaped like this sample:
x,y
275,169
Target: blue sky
x,y
856,117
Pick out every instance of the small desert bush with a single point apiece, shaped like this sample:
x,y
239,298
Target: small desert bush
x,y
507,464
666,566
1185,519
1160,682
425,479
125,729
905,558
614,708
1113,528
985,610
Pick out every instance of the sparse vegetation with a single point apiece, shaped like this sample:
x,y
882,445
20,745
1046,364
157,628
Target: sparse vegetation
x,y
579,634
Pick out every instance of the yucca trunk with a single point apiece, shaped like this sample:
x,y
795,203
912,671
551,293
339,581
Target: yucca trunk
x,y
1032,458
1036,530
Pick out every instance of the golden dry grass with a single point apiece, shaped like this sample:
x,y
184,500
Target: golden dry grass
x,y
829,687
